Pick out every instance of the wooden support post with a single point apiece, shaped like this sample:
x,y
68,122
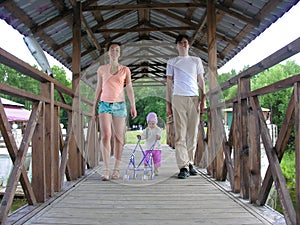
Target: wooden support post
x,y
18,166
228,154
254,150
279,180
244,88
12,149
82,148
217,138
282,141
65,167
75,138
38,158
237,148
297,149
209,162
91,147
47,90
56,148
201,144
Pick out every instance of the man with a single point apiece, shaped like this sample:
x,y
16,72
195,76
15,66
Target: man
x,y
188,99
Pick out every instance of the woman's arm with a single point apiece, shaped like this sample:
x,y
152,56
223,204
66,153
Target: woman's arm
x,y
130,94
97,94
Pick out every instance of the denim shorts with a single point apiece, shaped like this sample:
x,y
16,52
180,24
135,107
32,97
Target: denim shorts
x,y
117,109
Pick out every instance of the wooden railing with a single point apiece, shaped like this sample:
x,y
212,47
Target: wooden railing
x,y
237,158
55,159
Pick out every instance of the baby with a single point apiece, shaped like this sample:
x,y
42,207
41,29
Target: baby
x,y
151,133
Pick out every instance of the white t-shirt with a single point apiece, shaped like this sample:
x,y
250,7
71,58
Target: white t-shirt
x,y
185,70
149,134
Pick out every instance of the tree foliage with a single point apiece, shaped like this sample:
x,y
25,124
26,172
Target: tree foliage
x,y
231,92
18,80
60,75
278,101
150,99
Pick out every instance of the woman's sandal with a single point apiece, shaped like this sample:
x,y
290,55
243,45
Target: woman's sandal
x,y
115,175
105,176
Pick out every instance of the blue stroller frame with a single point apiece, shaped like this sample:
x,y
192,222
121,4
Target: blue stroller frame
x,y
145,164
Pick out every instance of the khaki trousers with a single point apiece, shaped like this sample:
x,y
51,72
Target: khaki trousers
x,y
186,115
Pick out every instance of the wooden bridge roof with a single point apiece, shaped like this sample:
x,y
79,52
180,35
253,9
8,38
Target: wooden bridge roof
x,y
144,28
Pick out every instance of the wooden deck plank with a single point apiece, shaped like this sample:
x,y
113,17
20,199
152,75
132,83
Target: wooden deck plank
x,y
163,200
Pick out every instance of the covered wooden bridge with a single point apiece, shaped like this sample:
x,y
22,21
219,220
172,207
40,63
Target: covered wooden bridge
x,y
76,33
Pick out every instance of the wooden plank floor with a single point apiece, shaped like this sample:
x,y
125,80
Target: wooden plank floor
x,y
163,200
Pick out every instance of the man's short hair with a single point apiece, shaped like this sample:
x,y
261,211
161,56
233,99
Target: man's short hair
x,y
180,37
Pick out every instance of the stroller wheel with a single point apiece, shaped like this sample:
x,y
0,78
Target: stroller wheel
x,y
153,176
126,177
145,177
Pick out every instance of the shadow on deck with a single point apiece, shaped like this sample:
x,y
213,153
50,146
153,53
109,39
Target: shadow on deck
x,y
162,200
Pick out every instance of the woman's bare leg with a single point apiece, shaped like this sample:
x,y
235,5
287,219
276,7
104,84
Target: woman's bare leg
x,y
119,139
105,132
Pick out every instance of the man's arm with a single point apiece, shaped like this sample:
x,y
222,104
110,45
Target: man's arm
x,y
168,95
202,92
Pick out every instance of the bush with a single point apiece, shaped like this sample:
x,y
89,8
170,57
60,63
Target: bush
x,y
288,168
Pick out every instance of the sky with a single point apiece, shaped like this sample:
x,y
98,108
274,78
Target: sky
x,y
283,31
279,34
13,43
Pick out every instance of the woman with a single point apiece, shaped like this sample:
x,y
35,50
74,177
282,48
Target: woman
x,y
110,99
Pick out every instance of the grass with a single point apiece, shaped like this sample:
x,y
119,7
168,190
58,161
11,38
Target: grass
x,y
17,203
131,136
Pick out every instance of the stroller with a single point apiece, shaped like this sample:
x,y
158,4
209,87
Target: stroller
x,y
145,164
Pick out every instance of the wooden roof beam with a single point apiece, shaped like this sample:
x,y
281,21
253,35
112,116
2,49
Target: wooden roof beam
x,y
112,19
90,33
143,29
144,6
144,15
199,28
249,20
253,21
100,20
176,17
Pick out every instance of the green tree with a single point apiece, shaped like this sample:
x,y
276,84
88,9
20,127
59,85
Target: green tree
x,y
59,74
18,80
151,104
279,100
149,99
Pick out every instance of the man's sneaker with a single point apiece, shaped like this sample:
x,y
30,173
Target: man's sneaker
x,y
184,173
193,172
